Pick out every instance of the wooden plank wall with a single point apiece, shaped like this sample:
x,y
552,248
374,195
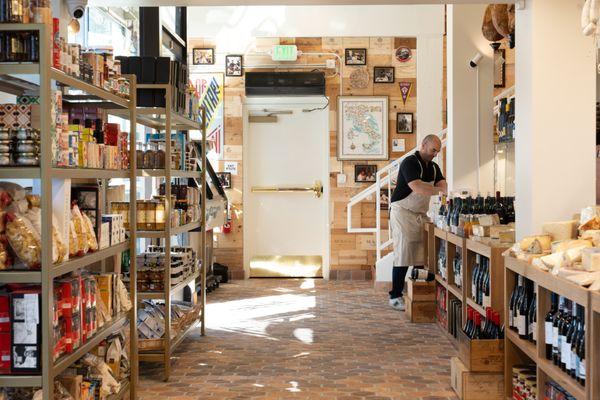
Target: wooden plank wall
x,y
352,255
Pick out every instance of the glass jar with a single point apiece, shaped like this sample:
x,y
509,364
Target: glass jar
x,y
4,134
151,215
149,156
5,146
26,146
139,155
5,159
141,215
160,155
160,215
27,159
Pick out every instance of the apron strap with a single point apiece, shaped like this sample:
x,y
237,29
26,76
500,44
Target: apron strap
x,y
421,167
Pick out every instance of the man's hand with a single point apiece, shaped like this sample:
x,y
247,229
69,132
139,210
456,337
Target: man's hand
x,y
422,188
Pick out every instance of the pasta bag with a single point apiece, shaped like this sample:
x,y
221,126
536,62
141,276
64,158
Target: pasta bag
x,y
73,244
89,232
24,239
82,240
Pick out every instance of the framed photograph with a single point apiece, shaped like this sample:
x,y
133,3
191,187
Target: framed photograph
x,y
356,56
499,69
384,199
233,65
26,358
362,128
398,145
365,173
225,179
203,56
384,74
404,123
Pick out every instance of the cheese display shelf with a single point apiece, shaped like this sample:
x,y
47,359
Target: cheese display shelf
x,y
167,121
520,351
54,189
595,348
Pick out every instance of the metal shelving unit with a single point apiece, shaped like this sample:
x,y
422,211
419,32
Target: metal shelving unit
x,y
167,120
46,173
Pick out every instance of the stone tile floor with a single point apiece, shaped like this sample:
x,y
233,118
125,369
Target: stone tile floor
x,y
305,339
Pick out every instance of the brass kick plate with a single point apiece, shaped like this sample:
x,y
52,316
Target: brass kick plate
x,y
286,267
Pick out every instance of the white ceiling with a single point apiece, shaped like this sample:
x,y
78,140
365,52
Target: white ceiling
x,y
281,2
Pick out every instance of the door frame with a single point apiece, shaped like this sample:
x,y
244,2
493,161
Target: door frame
x,y
282,102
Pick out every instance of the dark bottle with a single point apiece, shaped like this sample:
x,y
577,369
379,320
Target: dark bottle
x,y
548,324
475,277
456,214
449,213
421,274
457,267
574,370
570,331
581,375
510,211
499,208
532,317
486,297
500,329
511,304
469,324
523,313
489,204
563,327
555,331
477,328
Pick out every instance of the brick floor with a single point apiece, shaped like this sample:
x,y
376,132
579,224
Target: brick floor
x,y
305,339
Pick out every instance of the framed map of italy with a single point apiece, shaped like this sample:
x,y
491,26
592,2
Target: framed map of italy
x,y
362,128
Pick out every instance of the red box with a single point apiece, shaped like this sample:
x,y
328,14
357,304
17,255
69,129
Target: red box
x,y
59,339
56,43
111,134
72,332
70,296
4,353
4,313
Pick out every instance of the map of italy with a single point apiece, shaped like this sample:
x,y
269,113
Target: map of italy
x,y
364,133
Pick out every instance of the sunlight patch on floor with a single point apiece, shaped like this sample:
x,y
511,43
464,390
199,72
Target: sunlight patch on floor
x,y
304,335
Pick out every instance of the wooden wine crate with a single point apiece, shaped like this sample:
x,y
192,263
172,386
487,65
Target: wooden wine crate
x,y
151,344
470,385
421,291
420,311
481,355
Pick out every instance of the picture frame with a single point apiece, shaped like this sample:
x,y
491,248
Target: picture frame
x,y
384,199
203,56
355,56
358,142
499,68
384,75
234,65
225,179
404,122
364,173
403,54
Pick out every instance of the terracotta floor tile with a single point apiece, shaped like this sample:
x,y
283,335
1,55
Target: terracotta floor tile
x,y
305,339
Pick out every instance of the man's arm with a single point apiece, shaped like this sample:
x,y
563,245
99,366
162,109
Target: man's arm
x,y
420,187
442,186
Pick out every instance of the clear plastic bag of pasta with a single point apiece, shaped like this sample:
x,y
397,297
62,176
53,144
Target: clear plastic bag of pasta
x,y
24,239
89,232
80,230
59,248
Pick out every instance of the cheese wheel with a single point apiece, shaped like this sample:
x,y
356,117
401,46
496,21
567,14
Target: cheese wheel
x,y
562,230
545,242
590,259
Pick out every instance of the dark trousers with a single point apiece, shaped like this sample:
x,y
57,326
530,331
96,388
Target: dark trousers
x,y
398,277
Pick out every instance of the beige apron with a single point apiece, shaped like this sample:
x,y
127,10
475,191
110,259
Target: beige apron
x,y
406,223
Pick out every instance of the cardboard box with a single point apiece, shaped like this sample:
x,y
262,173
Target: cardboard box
x,y
72,384
104,235
470,385
4,352
105,290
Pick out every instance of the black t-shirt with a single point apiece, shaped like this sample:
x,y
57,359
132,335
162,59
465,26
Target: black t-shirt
x,y
410,170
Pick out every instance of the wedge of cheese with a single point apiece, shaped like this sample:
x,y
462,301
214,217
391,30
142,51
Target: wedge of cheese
x,y
536,244
565,258
562,230
590,259
593,235
558,247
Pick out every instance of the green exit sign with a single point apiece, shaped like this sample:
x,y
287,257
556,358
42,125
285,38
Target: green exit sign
x,y
284,53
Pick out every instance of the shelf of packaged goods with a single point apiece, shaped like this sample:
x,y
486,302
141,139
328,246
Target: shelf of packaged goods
x,y
90,89
595,302
20,380
557,284
157,355
155,117
27,68
455,290
20,276
439,233
89,173
174,231
20,173
90,258
560,377
479,248
471,303
526,346
455,240
441,281
108,329
161,173
121,394
174,289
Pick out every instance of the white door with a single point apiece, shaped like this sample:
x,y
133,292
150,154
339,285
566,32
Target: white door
x,y
286,233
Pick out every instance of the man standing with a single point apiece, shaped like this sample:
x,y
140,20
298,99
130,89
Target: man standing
x,y
419,178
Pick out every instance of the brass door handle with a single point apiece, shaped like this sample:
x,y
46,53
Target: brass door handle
x,y
317,189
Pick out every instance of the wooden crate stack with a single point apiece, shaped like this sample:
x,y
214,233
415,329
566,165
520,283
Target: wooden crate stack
x,y
420,301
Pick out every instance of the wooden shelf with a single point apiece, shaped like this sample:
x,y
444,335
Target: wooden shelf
x,y
441,281
20,173
20,380
439,233
161,173
479,248
174,231
175,288
88,259
26,68
456,240
595,302
16,276
526,346
560,377
89,173
553,283
455,290
108,329
155,117
471,303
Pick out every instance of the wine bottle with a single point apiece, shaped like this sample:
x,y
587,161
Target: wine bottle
x,y
499,208
449,214
487,299
500,332
555,330
475,277
511,304
523,315
570,331
477,328
581,376
421,274
532,331
510,212
562,335
574,342
467,327
548,324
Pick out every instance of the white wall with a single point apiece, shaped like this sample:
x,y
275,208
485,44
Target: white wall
x,y
235,27
464,40
555,115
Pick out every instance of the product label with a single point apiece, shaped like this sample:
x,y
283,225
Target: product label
x,y
4,320
582,369
548,332
521,325
574,364
565,355
511,318
577,365
533,330
555,338
5,358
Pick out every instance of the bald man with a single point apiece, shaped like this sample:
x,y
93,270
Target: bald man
x,y
419,178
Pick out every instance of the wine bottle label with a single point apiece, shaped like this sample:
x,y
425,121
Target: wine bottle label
x,y
582,369
533,330
511,318
555,337
577,365
565,356
573,362
548,332
521,325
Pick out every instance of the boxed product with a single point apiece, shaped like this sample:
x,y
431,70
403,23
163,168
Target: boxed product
x,y
105,291
104,235
73,336
70,295
4,352
26,330
4,313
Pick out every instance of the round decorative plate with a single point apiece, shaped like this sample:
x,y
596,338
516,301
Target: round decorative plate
x,y
359,78
403,54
